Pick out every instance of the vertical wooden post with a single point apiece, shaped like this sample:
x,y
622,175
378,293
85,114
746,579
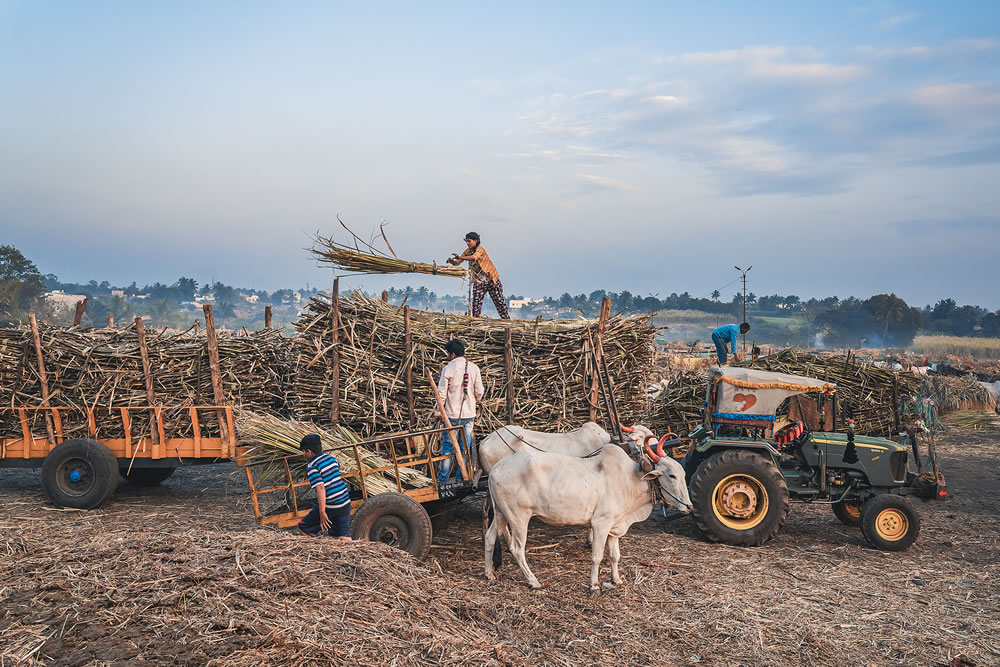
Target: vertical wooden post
x,y
267,317
335,351
508,355
147,375
80,307
213,363
385,296
895,401
408,344
197,327
598,355
41,375
111,321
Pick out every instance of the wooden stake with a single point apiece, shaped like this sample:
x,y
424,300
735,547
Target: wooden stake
x,y
148,376
508,358
385,296
41,375
447,422
213,363
197,326
335,351
111,321
598,355
80,307
267,317
408,343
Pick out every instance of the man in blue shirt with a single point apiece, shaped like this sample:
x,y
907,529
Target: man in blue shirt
x,y
728,333
333,510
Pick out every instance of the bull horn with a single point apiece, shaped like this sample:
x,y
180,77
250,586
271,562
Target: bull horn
x,y
628,429
659,445
649,451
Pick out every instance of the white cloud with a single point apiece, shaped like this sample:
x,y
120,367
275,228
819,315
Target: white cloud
x,y
776,63
897,19
753,154
957,95
605,183
614,94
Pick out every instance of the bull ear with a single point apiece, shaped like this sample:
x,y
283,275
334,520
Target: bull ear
x,y
652,475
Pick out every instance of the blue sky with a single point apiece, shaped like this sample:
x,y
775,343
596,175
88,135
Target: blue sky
x,y
840,149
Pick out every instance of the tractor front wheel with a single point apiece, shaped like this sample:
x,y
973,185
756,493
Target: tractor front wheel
x,y
848,512
395,519
889,522
739,497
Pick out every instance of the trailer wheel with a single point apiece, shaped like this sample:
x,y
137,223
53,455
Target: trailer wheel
x,y
739,498
146,476
848,512
394,519
79,473
889,522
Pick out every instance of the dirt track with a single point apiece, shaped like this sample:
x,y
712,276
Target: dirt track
x,y
182,574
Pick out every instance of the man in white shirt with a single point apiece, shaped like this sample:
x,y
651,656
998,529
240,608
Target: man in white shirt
x,y
461,387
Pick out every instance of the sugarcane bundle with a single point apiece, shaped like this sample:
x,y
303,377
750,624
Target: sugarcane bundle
x,y
268,439
552,375
951,394
360,257
102,368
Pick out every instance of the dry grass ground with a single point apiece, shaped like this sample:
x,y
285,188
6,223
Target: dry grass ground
x,y
182,575
959,346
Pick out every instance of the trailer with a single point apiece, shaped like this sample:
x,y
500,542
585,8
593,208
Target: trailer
x,y
398,518
85,450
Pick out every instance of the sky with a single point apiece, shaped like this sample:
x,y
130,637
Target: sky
x,y
841,149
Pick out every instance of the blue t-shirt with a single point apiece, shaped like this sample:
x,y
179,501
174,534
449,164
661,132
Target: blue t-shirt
x,y
325,470
728,332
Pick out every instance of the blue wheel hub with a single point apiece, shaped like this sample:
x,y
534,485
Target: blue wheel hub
x,y
75,476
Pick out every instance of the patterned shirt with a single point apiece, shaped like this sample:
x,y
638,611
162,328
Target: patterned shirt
x,y
481,267
324,469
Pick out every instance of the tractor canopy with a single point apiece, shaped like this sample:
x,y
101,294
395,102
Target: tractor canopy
x,y
750,397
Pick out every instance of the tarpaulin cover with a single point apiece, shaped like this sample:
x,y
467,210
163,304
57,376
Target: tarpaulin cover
x,y
754,395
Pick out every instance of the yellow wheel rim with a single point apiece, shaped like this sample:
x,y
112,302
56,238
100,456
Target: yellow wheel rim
x,y
740,502
852,510
892,525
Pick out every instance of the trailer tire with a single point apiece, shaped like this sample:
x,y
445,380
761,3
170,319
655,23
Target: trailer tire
x,y
889,522
731,483
394,519
146,476
79,473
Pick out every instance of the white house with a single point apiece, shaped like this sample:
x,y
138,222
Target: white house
x,y
59,300
522,303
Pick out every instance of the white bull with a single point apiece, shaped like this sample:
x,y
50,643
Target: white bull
x,y
585,440
607,491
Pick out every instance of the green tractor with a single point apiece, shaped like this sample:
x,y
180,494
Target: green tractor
x,y
743,474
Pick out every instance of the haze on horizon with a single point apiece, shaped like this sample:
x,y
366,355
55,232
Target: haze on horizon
x,y
840,150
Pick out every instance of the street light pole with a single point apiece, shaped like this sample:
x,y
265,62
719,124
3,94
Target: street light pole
x,y
744,302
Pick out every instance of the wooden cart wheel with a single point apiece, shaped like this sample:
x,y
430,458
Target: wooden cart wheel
x,y
147,476
79,473
394,519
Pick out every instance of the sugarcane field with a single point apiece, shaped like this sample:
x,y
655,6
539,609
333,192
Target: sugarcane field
x,y
392,334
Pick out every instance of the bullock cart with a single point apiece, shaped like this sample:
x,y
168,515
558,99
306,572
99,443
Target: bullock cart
x,y
399,518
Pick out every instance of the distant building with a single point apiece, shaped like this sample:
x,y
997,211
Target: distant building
x,y
204,298
118,292
523,303
250,298
59,300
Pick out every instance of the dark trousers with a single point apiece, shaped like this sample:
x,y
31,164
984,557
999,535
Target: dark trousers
x,y
495,288
720,348
340,521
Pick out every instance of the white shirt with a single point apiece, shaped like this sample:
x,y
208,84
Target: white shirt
x,y
457,405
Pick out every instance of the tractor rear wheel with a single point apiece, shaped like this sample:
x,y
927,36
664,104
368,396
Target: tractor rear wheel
x,y
146,476
848,512
395,519
739,497
889,522
80,473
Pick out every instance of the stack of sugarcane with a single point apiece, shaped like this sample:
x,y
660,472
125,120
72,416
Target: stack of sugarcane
x,y
551,366
360,257
951,393
99,368
268,439
868,390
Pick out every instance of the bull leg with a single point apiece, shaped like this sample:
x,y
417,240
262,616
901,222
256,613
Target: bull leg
x,y
490,539
616,555
600,538
518,540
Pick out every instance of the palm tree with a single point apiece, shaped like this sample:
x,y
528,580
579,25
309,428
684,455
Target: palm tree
x,y
715,295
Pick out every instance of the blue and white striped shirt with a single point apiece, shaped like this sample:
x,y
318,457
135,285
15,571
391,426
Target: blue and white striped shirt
x,y
325,470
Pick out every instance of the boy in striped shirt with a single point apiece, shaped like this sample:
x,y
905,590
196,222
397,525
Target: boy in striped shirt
x,y
333,510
